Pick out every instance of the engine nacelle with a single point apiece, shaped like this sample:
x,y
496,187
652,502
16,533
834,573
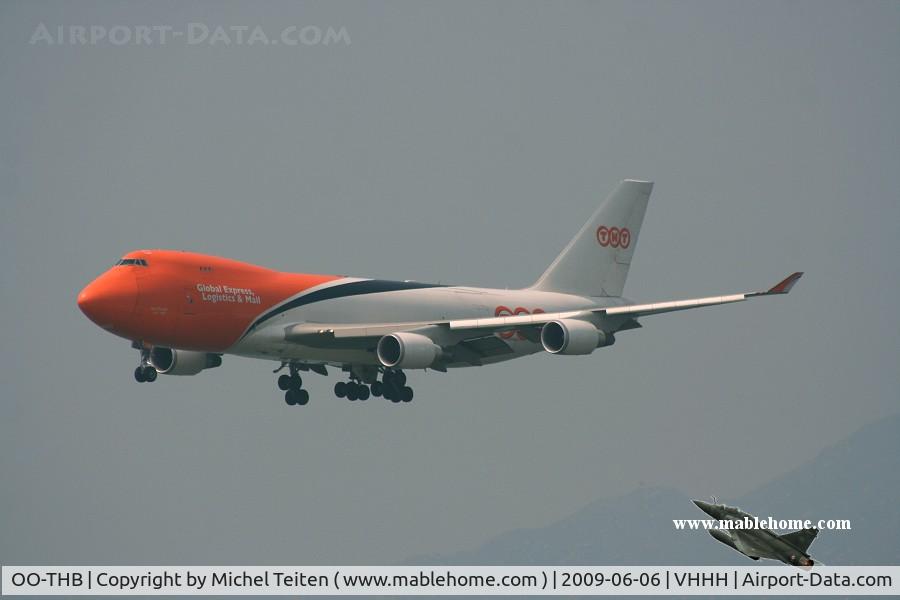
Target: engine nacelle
x,y
168,361
407,351
571,336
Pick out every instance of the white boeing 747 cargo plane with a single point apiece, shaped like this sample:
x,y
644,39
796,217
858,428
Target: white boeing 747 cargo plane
x,y
183,311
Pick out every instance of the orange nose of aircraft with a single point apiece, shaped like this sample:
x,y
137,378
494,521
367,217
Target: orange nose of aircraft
x,y
109,301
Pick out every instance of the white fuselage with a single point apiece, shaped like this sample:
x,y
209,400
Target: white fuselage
x,y
414,305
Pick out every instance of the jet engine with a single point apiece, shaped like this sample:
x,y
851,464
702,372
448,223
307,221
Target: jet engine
x,y
169,361
801,561
571,336
407,351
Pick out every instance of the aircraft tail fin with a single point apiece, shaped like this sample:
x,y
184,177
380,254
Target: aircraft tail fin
x,y
596,261
801,540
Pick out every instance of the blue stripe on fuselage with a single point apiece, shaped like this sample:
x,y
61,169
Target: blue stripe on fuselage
x,y
354,288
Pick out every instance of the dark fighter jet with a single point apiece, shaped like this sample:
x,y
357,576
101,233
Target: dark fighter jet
x,y
757,543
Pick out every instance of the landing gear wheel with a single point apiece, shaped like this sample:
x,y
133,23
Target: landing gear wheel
x,y
363,392
296,381
340,389
377,388
302,397
352,392
296,397
150,374
139,375
284,383
392,393
406,394
400,378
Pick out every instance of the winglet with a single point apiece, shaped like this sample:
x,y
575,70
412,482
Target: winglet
x,y
785,285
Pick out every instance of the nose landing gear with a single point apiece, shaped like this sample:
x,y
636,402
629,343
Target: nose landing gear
x,y
145,372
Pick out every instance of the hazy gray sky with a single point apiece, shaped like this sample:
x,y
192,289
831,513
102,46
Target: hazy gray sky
x,y
458,142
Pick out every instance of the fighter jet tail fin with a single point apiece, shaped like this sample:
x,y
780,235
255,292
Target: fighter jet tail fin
x,y
802,539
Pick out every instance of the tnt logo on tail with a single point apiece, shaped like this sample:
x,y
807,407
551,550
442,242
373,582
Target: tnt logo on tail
x,y
613,236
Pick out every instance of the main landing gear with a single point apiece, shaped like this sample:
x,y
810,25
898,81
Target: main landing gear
x,y
145,372
292,384
351,390
392,386
363,384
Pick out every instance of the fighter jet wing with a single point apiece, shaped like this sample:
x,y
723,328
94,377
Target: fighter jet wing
x,y
747,544
802,539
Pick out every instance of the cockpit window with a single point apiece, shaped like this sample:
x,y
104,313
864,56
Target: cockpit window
x,y
137,262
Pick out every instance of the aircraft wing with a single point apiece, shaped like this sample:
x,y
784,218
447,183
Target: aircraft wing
x,y
640,310
633,310
322,333
747,542
304,332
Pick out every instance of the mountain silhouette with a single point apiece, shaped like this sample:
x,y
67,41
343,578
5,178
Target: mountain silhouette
x,y
857,478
